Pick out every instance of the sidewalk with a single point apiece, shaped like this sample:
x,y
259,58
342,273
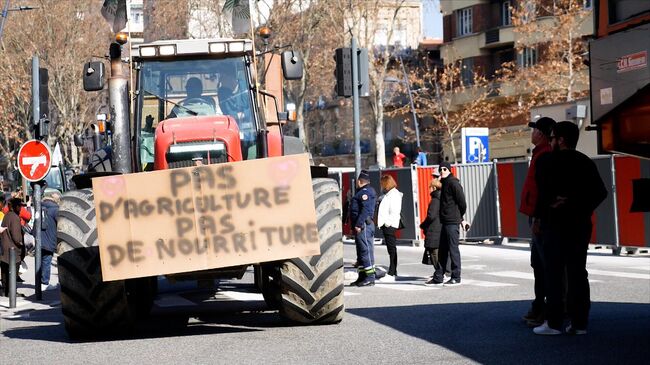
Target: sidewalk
x,y
28,302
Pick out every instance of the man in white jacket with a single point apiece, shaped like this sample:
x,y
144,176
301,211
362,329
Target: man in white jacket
x,y
388,219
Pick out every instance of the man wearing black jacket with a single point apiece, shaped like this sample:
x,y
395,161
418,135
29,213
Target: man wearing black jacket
x,y
452,210
570,189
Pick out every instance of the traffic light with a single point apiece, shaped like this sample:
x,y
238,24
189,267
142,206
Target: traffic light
x,y
43,92
343,72
364,79
42,126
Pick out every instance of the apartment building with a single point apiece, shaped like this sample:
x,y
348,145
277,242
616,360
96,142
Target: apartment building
x,y
481,35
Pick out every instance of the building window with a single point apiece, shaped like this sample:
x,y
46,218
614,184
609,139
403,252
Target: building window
x,y
464,21
506,14
467,71
588,4
527,57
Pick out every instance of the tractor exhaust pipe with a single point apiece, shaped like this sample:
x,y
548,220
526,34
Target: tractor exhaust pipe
x,y
119,103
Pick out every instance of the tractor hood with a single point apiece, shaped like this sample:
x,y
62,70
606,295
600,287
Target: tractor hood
x,y
181,142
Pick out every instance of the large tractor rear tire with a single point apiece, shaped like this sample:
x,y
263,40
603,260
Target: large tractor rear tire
x,y
311,288
91,308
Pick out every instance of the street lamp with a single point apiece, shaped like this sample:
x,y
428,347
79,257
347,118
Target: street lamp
x,y
5,13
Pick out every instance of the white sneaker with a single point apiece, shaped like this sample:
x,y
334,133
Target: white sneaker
x,y
574,331
545,330
387,279
48,287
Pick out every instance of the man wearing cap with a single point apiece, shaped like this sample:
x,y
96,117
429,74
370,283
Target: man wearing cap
x,y
540,137
361,211
570,190
452,210
12,237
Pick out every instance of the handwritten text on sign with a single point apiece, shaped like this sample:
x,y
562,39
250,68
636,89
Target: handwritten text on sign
x,y
205,217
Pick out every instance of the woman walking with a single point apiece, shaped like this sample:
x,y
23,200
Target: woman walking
x,y
388,217
432,227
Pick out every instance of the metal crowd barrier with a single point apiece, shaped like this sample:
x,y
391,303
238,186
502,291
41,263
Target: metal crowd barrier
x,y
493,194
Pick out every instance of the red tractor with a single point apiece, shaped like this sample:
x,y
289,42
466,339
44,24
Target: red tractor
x,y
194,102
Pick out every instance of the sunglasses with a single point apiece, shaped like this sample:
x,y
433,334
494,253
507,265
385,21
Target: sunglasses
x,y
443,169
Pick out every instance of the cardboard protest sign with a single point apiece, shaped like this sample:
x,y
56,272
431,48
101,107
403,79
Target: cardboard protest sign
x,y
205,217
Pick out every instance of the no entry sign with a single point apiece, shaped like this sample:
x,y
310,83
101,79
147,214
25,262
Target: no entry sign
x,y
34,160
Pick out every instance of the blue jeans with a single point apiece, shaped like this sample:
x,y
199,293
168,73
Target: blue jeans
x,y
46,266
364,241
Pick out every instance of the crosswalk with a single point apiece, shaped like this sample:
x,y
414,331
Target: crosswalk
x,y
477,277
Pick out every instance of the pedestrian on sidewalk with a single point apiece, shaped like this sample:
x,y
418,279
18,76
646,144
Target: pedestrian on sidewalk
x,y
362,210
421,158
12,237
570,189
388,218
452,210
432,228
540,137
398,157
50,205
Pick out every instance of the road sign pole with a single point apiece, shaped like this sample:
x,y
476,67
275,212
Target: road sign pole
x,y
36,107
36,187
355,108
38,219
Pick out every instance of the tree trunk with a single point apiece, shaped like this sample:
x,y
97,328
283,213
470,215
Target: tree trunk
x,y
569,97
300,108
451,142
379,130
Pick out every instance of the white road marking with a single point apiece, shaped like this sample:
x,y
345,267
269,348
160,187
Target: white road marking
x,y
241,296
487,284
514,274
619,274
347,293
406,287
474,267
524,275
642,268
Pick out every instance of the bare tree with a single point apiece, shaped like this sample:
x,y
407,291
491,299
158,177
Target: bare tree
x,y
453,96
364,20
166,19
550,44
68,34
314,28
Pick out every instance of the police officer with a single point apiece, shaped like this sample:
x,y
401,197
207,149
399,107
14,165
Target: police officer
x,y
361,212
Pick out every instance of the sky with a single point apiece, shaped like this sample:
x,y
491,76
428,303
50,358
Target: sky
x,y
432,19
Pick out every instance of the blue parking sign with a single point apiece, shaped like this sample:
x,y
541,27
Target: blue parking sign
x,y
475,145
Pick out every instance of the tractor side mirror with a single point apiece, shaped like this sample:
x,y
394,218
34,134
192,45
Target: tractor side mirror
x,y
292,66
94,76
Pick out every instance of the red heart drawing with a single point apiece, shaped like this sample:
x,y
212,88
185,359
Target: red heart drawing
x,y
112,185
283,172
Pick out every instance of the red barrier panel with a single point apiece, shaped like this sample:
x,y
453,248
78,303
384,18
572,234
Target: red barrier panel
x,y
424,197
631,226
346,194
507,200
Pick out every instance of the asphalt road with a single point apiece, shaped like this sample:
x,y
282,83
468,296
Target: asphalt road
x,y
402,322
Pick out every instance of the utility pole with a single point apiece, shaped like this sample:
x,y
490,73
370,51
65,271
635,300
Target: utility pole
x,y
355,108
36,186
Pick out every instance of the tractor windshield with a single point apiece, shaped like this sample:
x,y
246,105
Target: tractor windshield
x,y
197,87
